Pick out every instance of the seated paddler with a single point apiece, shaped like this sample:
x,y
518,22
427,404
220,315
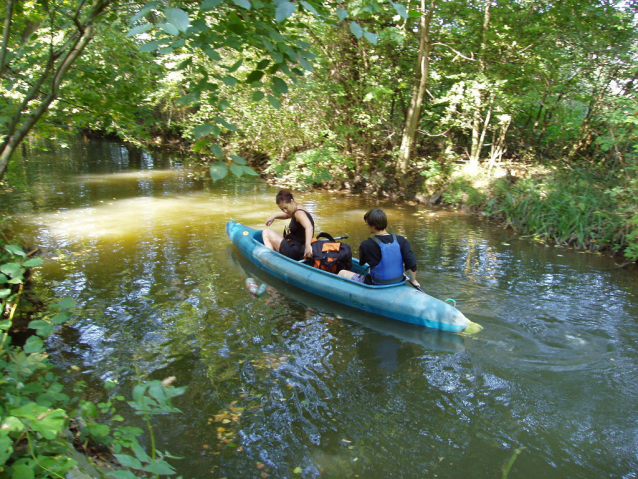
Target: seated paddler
x,y
295,241
389,255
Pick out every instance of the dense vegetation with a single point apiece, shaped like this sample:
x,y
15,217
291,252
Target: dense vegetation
x,y
524,110
382,98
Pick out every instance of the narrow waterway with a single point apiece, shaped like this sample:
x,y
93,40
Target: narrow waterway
x,y
288,385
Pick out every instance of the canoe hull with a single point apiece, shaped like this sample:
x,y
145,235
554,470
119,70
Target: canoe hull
x,y
400,301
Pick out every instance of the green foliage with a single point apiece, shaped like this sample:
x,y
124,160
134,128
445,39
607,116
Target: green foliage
x,y
35,412
311,167
570,209
460,191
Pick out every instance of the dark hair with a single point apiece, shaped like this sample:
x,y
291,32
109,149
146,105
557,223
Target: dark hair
x,y
376,218
284,196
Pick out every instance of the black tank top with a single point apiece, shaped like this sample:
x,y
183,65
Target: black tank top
x,y
295,230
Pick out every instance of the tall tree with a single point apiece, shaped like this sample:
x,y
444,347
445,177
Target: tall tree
x,y
423,71
37,52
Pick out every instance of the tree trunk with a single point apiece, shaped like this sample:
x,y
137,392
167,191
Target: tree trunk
x,y
52,76
477,136
414,111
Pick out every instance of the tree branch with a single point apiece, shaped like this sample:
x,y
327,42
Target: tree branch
x,y
5,36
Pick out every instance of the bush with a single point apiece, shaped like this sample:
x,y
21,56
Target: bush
x,y
312,167
35,412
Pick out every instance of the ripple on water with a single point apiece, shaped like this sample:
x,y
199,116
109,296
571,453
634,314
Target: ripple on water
x,y
548,347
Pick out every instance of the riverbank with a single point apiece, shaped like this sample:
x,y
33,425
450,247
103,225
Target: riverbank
x,y
583,207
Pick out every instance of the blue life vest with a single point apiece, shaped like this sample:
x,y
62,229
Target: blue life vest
x,y
390,269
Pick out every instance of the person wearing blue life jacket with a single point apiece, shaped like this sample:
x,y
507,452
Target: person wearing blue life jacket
x,y
388,255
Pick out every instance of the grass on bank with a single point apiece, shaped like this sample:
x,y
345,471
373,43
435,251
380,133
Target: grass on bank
x,y
582,208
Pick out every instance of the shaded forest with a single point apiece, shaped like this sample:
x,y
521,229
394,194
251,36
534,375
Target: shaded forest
x,y
498,106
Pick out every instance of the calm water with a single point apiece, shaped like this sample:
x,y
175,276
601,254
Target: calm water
x,y
287,385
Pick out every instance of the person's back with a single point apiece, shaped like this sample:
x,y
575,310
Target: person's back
x,y
388,255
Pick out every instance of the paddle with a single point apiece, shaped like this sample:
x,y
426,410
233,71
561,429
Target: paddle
x,y
418,288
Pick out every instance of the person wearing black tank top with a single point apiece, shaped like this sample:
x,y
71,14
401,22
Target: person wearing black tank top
x,y
295,242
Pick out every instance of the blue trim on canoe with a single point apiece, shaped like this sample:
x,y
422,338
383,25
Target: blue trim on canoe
x,y
398,301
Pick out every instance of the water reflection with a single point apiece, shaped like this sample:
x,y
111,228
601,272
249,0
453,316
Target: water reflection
x,y
288,381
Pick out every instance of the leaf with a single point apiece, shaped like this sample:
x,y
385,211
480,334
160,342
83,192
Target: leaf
x,y
170,29
249,171
257,96
66,303
30,263
61,318
243,3
212,54
400,9
210,4
33,345
274,102
22,471
255,75
12,424
305,64
235,66
178,18
160,466
4,293
229,126
280,85
218,171
310,8
150,46
230,81
203,130
238,159
236,170
342,14
356,29
217,151
42,328
145,9
51,424
297,470
128,461
139,29
284,10
15,250
5,323
371,37
122,475
140,453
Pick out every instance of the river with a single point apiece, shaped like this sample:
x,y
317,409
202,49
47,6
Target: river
x,y
286,385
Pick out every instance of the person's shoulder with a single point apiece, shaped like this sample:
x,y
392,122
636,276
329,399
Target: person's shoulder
x,y
401,239
367,242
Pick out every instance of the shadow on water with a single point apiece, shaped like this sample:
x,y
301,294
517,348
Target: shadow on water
x,y
428,338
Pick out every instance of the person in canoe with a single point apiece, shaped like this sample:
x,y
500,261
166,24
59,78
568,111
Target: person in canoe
x,y
388,255
295,242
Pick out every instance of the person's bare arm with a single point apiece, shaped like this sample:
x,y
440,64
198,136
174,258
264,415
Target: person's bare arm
x,y
302,217
412,276
280,216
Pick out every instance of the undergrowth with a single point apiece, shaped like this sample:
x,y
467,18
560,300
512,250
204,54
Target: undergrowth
x,y
36,414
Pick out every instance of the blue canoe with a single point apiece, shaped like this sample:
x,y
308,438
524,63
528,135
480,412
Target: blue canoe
x,y
396,301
